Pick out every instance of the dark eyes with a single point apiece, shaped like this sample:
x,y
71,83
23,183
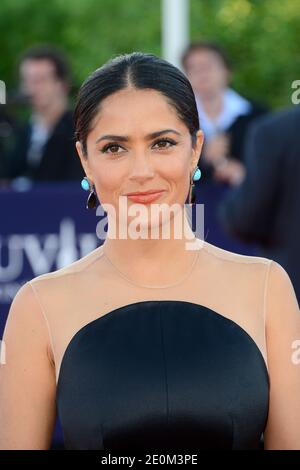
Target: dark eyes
x,y
164,141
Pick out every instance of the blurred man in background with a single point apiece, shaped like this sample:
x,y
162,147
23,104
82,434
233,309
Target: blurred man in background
x,y
224,114
45,148
265,207
7,138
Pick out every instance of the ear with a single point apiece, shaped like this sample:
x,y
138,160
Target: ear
x,y
84,160
196,151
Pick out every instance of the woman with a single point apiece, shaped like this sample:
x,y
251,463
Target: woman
x,y
150,342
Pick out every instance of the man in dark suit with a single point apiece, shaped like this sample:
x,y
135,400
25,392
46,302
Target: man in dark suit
x,y
45,148
265,208
7,136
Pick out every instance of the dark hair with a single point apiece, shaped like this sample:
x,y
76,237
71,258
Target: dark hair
x,y
206,46
141,71
53,55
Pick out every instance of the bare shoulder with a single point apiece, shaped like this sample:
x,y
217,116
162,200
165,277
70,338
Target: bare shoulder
x,y
73,270
254,274
226,256
281,295
237,276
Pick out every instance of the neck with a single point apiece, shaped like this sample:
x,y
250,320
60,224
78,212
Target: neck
x,y
49,115
153,261
213,105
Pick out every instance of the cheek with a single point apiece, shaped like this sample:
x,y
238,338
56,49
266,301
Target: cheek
x,y
176,174
51,89
220,76
108,177
41,91
176,168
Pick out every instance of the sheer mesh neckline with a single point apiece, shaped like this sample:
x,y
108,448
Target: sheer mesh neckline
x,y
165,286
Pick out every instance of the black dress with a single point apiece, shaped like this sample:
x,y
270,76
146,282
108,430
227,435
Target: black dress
x,y
163,374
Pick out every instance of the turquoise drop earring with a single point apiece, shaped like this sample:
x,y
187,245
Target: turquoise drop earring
x,y
87,186
196,175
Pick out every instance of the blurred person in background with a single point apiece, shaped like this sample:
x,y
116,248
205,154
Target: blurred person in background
x,y
264,208
224,114
45,147
7,136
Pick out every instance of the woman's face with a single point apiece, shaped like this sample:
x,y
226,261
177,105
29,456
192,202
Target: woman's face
x,y
123,156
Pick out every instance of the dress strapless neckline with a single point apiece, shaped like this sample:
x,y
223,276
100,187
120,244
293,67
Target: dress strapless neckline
x,y
134,305
162,374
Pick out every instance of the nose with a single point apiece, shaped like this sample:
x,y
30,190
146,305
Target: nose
x,y
141,170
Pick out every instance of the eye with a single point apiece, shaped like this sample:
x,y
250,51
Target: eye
x,y
114,147
111,146
165,141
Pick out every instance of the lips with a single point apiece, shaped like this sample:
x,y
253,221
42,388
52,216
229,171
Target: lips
x,y
142,193
145,197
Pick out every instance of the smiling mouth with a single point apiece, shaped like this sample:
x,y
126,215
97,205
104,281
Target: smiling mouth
x,y
143,193
145,198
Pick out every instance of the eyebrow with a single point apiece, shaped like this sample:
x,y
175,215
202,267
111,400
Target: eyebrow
x,y
125,138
